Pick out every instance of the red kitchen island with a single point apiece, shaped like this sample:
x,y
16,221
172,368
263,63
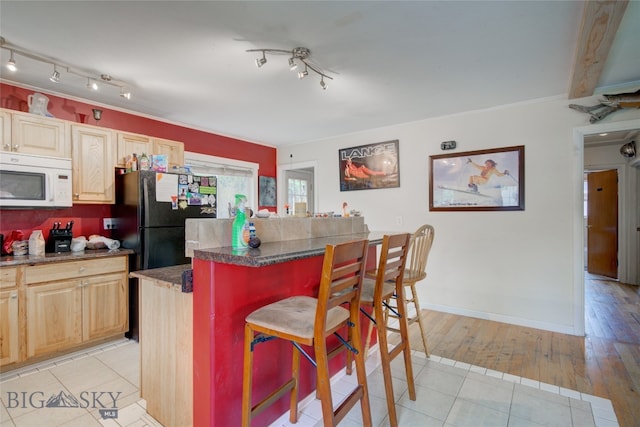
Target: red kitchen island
x,y
229,284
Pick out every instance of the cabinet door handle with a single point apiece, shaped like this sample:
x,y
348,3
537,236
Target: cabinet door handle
x,y
15,147
14,296
82,269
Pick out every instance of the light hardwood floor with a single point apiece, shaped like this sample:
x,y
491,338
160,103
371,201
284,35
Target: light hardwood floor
x,y
605,363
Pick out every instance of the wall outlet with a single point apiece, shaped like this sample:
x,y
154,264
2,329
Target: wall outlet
x,y
110,223
399,220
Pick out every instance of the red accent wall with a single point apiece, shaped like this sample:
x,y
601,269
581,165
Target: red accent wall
x,y
88,218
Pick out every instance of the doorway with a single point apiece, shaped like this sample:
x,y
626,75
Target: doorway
x,y
297,182
628,208
299,188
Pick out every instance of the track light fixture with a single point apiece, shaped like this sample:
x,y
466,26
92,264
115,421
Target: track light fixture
x,y
92,85
125,93
92,80
303,74
11,65
261,61
55,77
298,55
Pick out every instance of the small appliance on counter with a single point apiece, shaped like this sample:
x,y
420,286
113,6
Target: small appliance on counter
x,y
60,238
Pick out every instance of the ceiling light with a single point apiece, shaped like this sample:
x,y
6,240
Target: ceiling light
x,y
92,78
55,77
92,85
303,74
11,65
125,93
261,61
298,55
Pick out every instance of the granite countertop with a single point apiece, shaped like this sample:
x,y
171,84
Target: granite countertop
x,y
283,251
7,261
169,277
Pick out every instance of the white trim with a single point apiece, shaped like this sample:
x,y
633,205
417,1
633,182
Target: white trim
x,y
215,161
291,166
578,212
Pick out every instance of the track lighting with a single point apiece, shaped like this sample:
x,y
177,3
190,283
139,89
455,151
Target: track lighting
x,y
298,55
125,93
261,61
55,77
303,74
11,65
92,79
92,85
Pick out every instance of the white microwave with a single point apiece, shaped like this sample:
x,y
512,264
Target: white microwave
x,y
31,181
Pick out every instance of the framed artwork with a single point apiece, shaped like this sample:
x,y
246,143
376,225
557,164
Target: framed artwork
x,y
267,187
484,180
369,166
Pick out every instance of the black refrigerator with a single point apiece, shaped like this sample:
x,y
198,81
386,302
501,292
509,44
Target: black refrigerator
x,y
151,226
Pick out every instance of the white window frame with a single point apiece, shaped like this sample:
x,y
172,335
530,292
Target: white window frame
x,y
208,161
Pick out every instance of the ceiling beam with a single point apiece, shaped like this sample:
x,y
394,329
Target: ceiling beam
x,y
600,22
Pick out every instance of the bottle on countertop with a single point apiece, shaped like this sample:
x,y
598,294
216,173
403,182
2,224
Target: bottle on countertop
x,y
143,163
240,226
134,162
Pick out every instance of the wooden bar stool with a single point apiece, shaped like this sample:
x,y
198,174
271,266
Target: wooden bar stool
x,y
415,271
376,293
309,321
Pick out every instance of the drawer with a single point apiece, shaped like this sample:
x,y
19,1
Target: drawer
x,y
74,269
8,276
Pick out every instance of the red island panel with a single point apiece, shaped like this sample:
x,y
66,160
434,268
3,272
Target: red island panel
x,y
223,295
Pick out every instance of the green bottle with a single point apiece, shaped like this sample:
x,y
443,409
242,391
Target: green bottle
x,y
240,227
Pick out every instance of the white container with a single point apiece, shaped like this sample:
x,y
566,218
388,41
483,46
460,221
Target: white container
x,y
36,243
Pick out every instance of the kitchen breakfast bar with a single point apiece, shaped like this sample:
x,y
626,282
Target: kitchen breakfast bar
x,y
229,284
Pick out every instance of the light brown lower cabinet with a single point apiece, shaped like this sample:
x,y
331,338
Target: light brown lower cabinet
x,y
9,326
66,305
166,351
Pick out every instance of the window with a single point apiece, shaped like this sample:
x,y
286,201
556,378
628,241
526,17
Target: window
x,y
234,177
300,188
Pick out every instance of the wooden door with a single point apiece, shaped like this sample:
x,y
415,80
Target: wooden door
x,y
93,165
8,327
602,223
39,135
173,149
105,305
129,143
54,316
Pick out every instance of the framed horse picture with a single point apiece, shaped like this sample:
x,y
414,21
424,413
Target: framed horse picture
x,y
484,180
370,166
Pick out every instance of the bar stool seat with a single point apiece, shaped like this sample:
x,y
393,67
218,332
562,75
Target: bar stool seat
x,y
305,320
295,317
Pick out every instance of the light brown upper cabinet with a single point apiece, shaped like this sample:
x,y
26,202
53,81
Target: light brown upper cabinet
x,y
93,164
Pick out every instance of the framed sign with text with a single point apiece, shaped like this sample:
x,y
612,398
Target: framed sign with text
x,y
369,166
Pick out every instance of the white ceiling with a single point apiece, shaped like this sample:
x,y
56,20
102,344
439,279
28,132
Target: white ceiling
x,y
392,61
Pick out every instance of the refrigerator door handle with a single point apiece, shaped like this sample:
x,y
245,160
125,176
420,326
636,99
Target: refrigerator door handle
x,y
145,197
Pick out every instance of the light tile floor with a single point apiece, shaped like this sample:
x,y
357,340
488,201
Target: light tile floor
x,y
449,393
